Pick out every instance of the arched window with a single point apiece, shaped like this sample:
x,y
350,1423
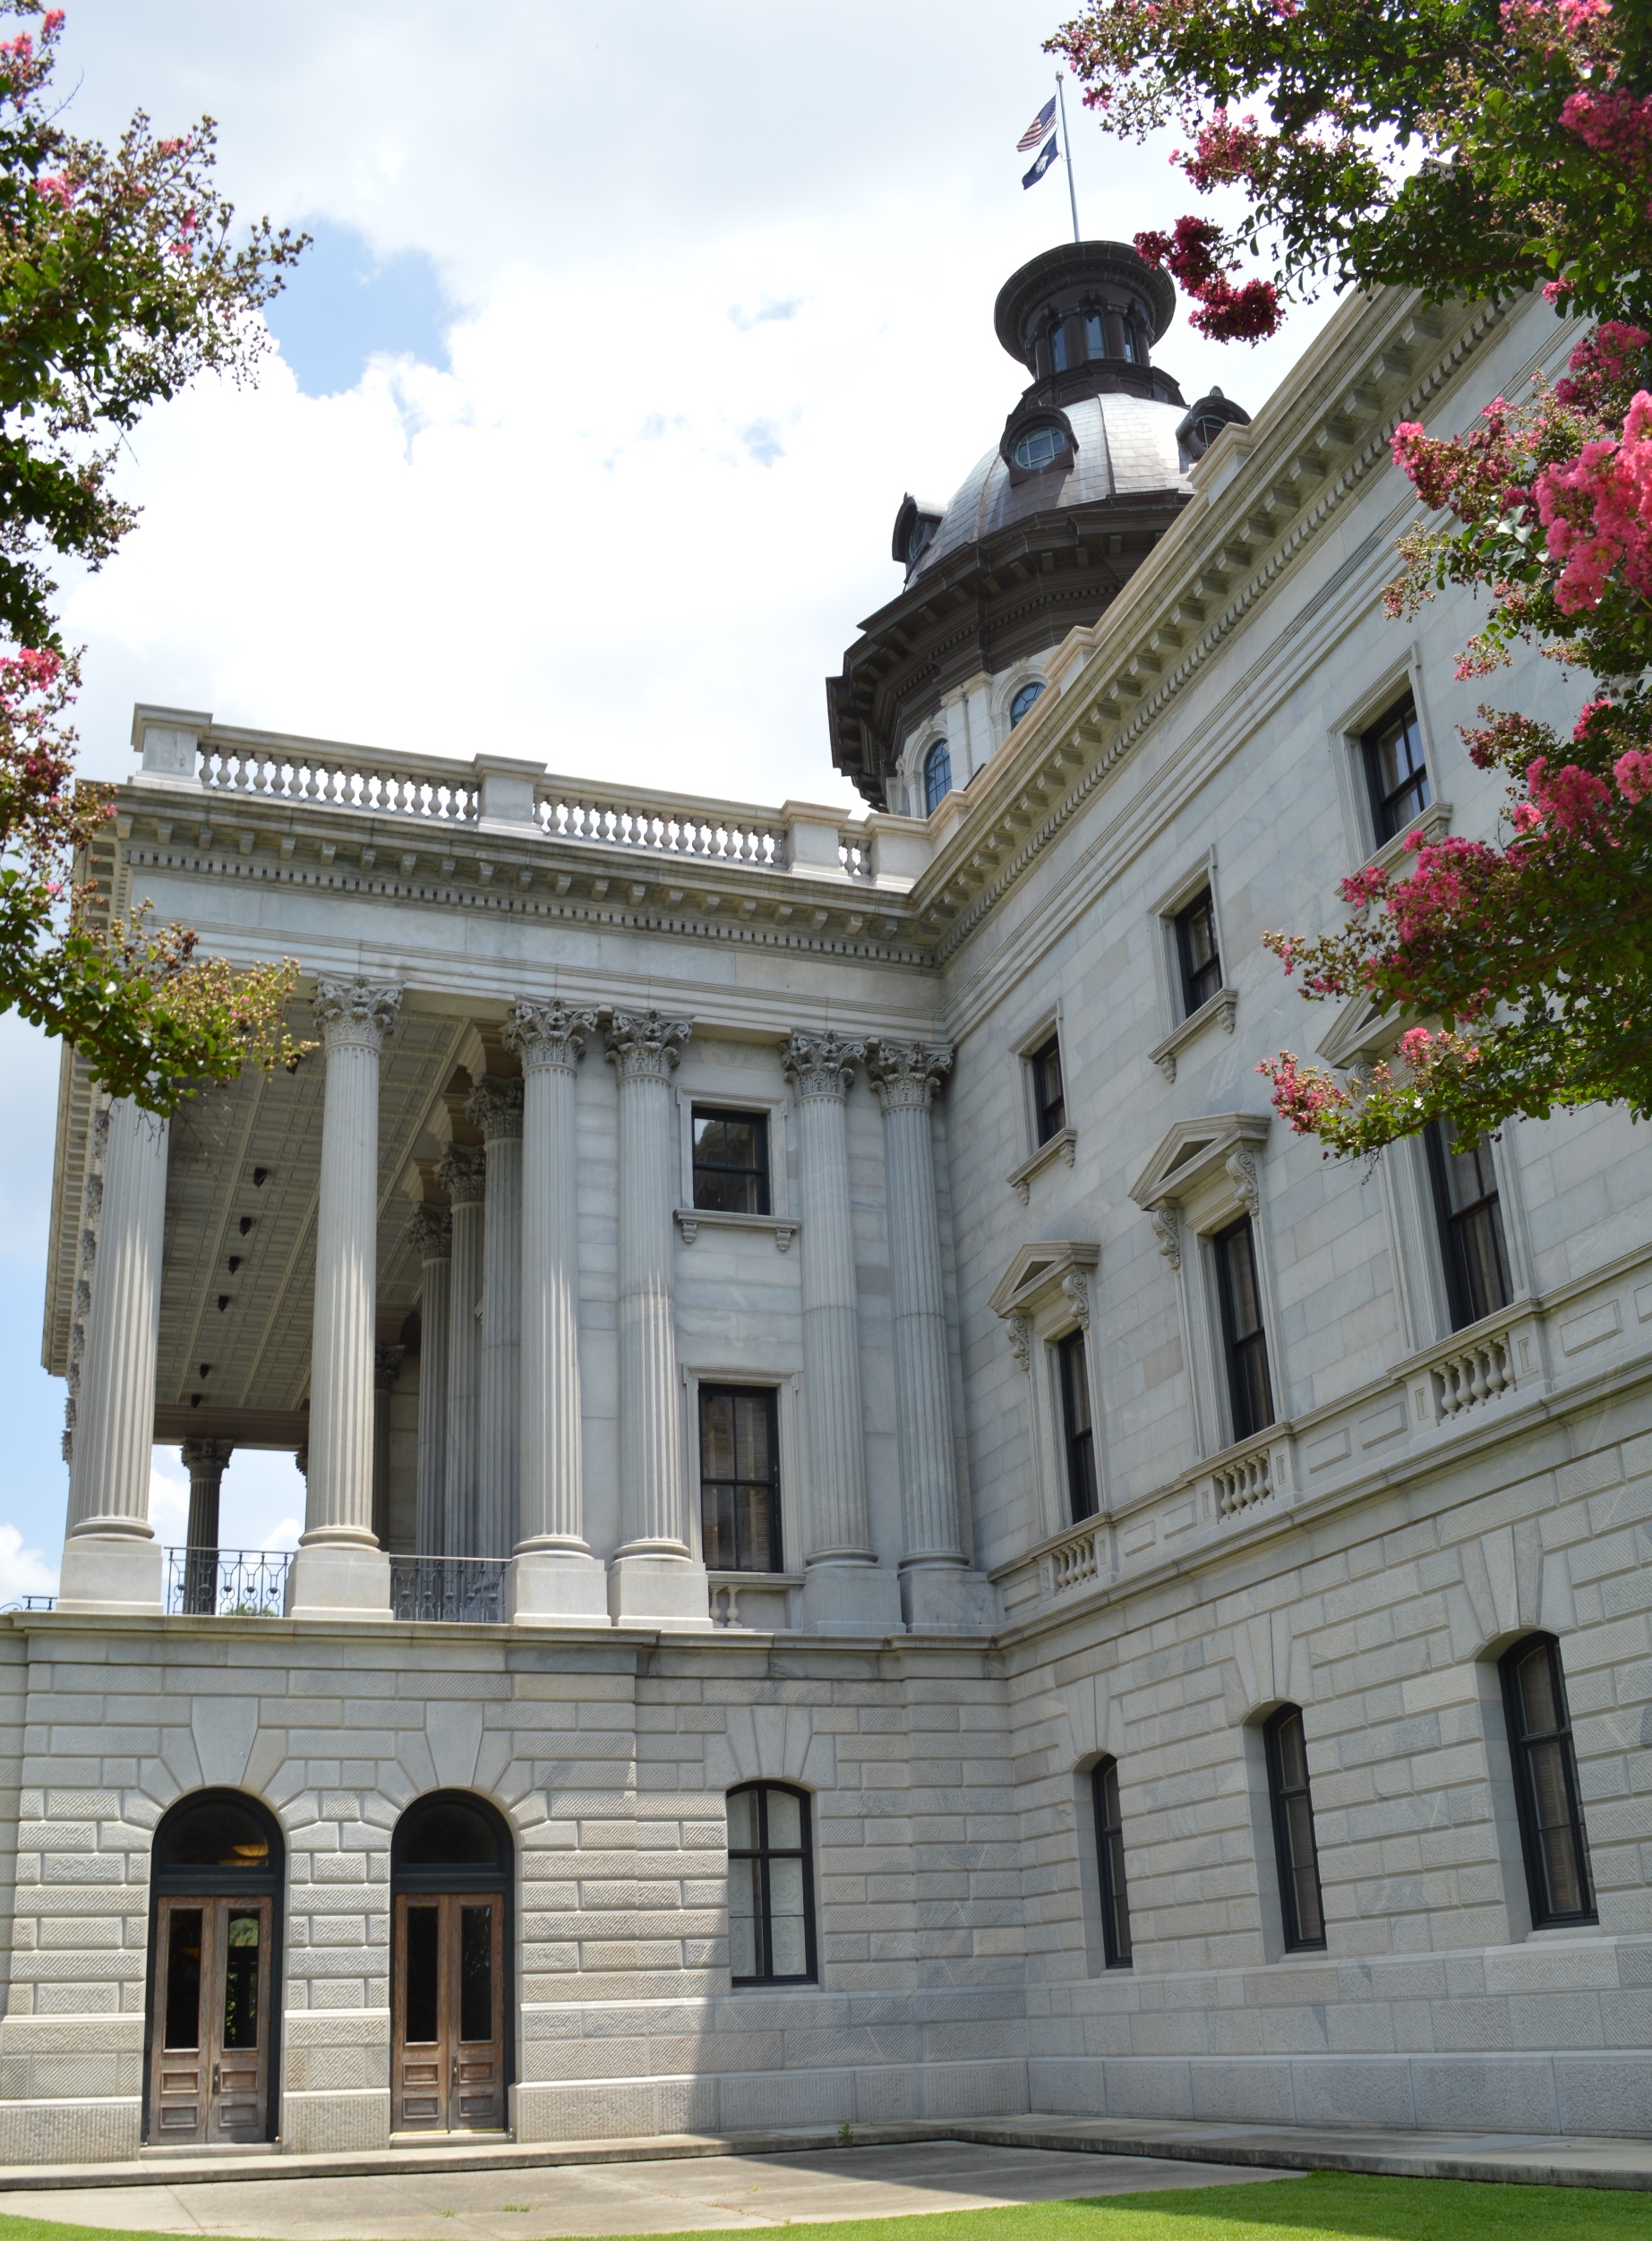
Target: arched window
x,y
1095,336
451,1862
1294,1849
771,1885
1546,1782
1110,1864
1023,700
937,777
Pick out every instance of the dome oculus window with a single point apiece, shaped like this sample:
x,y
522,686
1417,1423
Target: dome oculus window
x,y
1023,701
1040,447
937,777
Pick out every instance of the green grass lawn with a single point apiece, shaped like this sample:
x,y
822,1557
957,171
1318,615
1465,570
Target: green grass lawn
x,y
1325,2206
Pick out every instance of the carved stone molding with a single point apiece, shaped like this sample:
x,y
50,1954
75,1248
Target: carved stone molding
x,y
495,1106
548,1034
1077,1295
820,1065
206,1455
1018,1331
1222,1006
906,1075
430,1233
359,1012
641,1044
1167,1229
1242,1170
462,1172
387,1362
1063,1145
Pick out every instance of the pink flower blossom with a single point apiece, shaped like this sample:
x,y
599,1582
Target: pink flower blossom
x,y
1633,774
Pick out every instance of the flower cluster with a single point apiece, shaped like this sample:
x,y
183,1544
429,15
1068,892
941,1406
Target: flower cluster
x,y
1199,256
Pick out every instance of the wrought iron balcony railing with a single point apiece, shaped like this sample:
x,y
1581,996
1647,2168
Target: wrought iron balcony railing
x,y
226,1583
456,1590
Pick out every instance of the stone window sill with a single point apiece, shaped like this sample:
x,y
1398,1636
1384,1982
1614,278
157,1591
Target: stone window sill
x,y
692,1220
1429,823
1062,1144
1221,1007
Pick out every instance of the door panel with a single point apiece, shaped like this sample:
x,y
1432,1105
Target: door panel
x,y
449,2057
240,2056
210,2066
177,2102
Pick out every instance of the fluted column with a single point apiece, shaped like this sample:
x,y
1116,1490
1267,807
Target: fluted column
x,y
111,1558
206,1461
386,1361
495,1108
431,1235
939,1589
554,1579
339,1567
655,1579
463,1175
846,1591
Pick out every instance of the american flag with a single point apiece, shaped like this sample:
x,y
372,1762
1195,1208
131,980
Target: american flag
x,y
1039,126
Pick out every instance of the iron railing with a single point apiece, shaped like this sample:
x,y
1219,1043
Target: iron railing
x,y
226,1583
456,1590
30,1602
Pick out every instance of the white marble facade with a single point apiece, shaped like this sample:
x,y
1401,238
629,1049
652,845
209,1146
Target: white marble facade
x,y
523,986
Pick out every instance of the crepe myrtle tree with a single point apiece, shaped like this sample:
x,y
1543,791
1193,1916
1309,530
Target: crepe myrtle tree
x,y
119,282
1462,147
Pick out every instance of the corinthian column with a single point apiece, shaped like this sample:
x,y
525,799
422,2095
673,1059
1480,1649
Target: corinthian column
x,y
937,1587
431,1234
111,1561
845,1592
339,1566
655,1579
554,1578
206,1461
495,1108
463,1175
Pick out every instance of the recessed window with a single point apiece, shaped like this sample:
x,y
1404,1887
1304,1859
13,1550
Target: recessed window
x,y
937,777
1470,1218
1131,353
917,537
1049,1097
740,1479
1197,952
1040,447
1110,1865
1250,1392
771,1886
730,1161
1058,348
1395,770
1296,1854
1023,701
1095,335
1076,1427
1546,1781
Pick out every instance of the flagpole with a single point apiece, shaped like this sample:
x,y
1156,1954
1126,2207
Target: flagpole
x,y
1066,142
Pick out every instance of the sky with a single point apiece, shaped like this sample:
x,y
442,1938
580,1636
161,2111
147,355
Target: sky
x,y
584,428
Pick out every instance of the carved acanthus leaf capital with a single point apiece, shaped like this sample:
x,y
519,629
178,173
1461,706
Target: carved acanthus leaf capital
x,y
462,1172
645,1045
548,1034
820,1065
495,1106
206,1455
907,1076
362,1013
430,1233
386,1361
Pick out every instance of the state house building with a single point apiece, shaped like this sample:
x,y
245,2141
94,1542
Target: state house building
x,y
880,1540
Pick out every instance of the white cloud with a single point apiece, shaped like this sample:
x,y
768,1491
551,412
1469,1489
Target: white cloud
x,y
23,1571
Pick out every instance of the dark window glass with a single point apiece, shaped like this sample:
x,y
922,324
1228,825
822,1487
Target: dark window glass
x,y
1130,349
771,1886
917,538
446,1834
1471,1238
423,1988
184,1978
1110,1865
730,1161
1058,348
1395,771
1095,337
1249,1390
241,1982
740,1479
475,1972
937,777
1196,949
1294,1848
1047,1095
1023,700
1546,1781
218,1833
1081,1439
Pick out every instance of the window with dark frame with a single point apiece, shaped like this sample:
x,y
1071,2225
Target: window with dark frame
x,y
1049,1097
1295,1851
771,1885
1552,1838
1197,952
1471,1240
937,777
1078,1432
1250,1390
730,1161
740,1479
1396,772
1110,1865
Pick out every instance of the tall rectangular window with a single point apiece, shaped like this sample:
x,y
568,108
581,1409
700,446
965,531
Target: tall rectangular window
x,y
1048,1097
1471,1238
1295,1853
1076,1426
1395,771
730,1161
1197,952
1110,1865
1250,1390
1546,1782
740,1479
771,1885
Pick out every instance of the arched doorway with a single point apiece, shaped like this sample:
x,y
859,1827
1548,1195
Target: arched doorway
x,y
451,1871
212,2016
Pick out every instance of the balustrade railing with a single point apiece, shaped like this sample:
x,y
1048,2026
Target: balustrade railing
x,y
715,832
1076,1561
1242,1483
415,787
1472,1375
226,1583
453,1590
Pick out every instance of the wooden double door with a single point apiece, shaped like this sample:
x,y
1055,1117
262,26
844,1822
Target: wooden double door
x,y
447,2060
210,2036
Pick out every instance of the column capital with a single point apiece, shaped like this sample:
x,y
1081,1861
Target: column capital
x,y
495,1106
386,1361
906,1075
820,1065
206,1455
547,1034
356,1012
430,1233
462,1172
645,1044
